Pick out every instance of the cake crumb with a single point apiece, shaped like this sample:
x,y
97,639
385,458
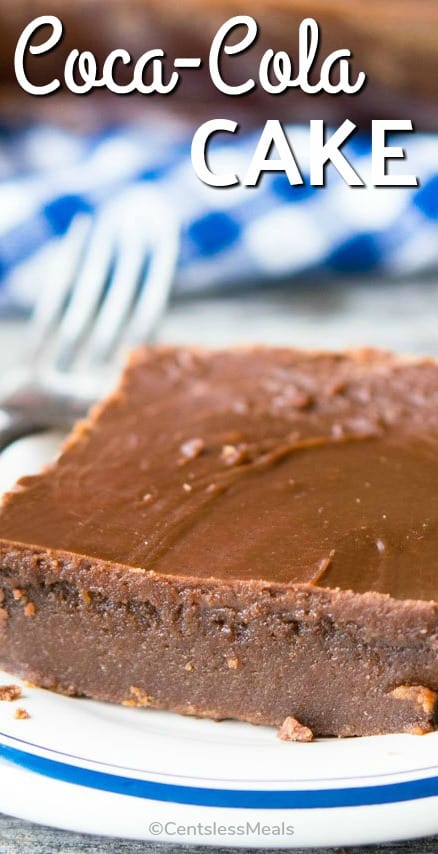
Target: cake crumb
x,y
233,663
190,450
4,614
86,597
323,566
424,697
292,730
338,431
187,487
188,666
30,610
416,729
17,593
10,692
234,455
139,698
21,714
336,388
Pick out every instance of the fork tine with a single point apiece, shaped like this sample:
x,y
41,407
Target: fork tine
x,y
136,300
132,246
86,295
117,305
156,288
52,298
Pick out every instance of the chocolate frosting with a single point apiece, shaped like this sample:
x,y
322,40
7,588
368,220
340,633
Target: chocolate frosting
x,y
264,464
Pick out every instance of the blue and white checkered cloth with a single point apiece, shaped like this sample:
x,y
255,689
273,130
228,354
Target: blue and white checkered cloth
x,y
229,236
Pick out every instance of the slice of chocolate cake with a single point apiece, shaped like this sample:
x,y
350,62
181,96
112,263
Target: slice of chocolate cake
x,y
247,534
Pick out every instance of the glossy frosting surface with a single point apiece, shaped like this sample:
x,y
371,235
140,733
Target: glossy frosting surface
x,y
252,464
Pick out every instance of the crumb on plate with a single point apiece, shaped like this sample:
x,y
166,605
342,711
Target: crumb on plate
x,y
10,692
21,714
293,730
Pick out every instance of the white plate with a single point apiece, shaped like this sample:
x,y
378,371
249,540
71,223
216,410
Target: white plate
x,y
143,774
146,774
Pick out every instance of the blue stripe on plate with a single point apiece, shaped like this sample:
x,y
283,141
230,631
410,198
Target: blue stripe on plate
x,y
242,799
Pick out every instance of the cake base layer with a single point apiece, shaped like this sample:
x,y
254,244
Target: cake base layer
x,y
339,663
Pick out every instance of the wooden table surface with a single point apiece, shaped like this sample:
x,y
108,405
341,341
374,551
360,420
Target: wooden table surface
x,y
399,316
18,837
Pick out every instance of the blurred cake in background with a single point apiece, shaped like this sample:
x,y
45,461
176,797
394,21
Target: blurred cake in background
x,y
395,42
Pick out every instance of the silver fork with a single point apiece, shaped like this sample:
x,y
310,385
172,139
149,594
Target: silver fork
x,y
107,290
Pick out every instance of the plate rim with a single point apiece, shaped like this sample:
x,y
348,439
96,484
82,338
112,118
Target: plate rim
x,y
271,799
77,760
